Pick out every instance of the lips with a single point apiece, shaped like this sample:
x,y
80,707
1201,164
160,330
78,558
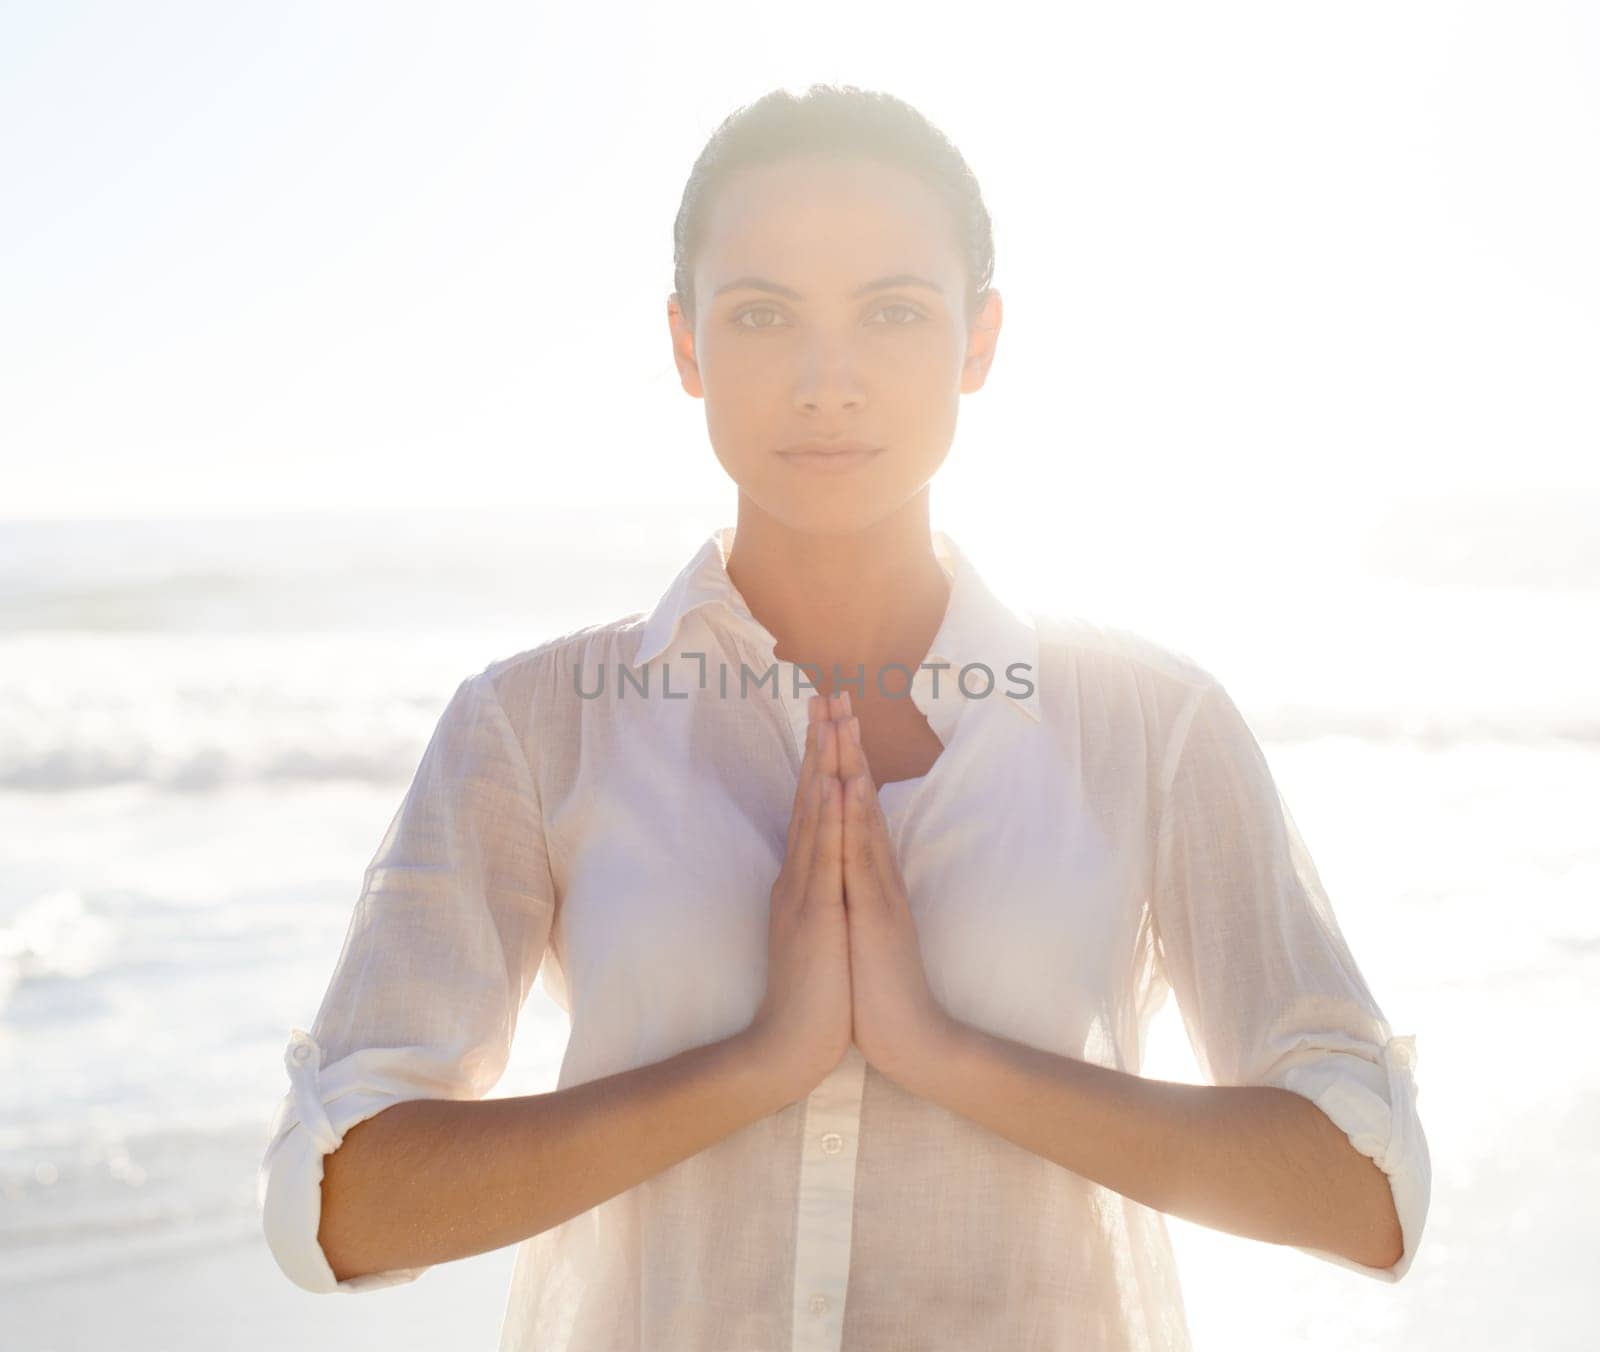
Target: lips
x,y
836,458
827,447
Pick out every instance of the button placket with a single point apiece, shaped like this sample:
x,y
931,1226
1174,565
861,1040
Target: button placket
x,y
827,1206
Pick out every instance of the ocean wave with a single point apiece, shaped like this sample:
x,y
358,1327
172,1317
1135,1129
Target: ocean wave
x,y
1516,727
252,749
199,765
222,602
54,935
198,737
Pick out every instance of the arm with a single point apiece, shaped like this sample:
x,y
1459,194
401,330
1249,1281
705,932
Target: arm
x,y
1256,1161
1270,993
1307,1132
441,950
428,1181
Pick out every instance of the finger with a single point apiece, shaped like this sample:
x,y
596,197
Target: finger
x,y
860,869
802,856
852,759
816,713
826,880
884,860
839,714
828,748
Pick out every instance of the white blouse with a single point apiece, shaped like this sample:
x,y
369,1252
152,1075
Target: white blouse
x,y
1100,827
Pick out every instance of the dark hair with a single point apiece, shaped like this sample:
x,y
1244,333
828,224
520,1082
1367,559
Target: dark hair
x,y
834,119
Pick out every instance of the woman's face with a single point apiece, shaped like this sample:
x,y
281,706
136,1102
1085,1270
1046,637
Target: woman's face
x,y
809,325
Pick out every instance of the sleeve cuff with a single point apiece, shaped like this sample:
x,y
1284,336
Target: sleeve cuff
x,y
1374,1104
311,1123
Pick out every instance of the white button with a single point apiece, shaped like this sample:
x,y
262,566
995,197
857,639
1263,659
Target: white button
x,y
832,1143
1404,1055
819,1304
302,1052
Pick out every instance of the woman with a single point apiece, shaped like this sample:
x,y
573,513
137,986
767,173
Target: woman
x,y
857,981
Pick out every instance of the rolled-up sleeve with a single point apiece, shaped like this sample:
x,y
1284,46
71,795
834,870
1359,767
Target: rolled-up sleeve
x,y
1269,991
446,938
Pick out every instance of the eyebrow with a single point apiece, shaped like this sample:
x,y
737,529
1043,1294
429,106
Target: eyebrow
x,y
778,289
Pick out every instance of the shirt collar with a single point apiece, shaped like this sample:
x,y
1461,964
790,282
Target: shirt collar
x,y
978,627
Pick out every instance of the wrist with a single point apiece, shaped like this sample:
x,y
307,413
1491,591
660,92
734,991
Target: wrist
x,y
935,1058
761,1066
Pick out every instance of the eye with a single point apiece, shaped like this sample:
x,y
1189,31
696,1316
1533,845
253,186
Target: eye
x,y
916,315
739,318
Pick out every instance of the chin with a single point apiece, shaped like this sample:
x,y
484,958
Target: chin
x,y
842,512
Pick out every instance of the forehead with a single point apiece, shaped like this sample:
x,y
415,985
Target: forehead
x,y
817,213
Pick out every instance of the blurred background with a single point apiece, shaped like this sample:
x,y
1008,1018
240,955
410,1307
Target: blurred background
x,y
334,364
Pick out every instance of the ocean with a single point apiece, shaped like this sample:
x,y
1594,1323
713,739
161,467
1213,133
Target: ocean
x,y
206,724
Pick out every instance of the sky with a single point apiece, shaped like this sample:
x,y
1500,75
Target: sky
x,y
1285,270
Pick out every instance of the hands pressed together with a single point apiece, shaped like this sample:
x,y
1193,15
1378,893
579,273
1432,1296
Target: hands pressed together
x,y
843,958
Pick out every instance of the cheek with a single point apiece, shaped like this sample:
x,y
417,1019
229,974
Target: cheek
x,y
922,391
925,366
733,359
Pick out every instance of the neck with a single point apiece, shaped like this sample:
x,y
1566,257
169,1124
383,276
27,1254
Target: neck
x,y
871,597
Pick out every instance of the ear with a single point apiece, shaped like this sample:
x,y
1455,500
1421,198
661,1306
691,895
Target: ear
x,y
683,353
981,341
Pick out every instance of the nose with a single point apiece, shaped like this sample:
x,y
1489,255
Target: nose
x,y
826,379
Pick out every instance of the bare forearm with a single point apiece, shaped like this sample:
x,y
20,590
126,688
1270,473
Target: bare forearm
x,y
1256,1161
430,1180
